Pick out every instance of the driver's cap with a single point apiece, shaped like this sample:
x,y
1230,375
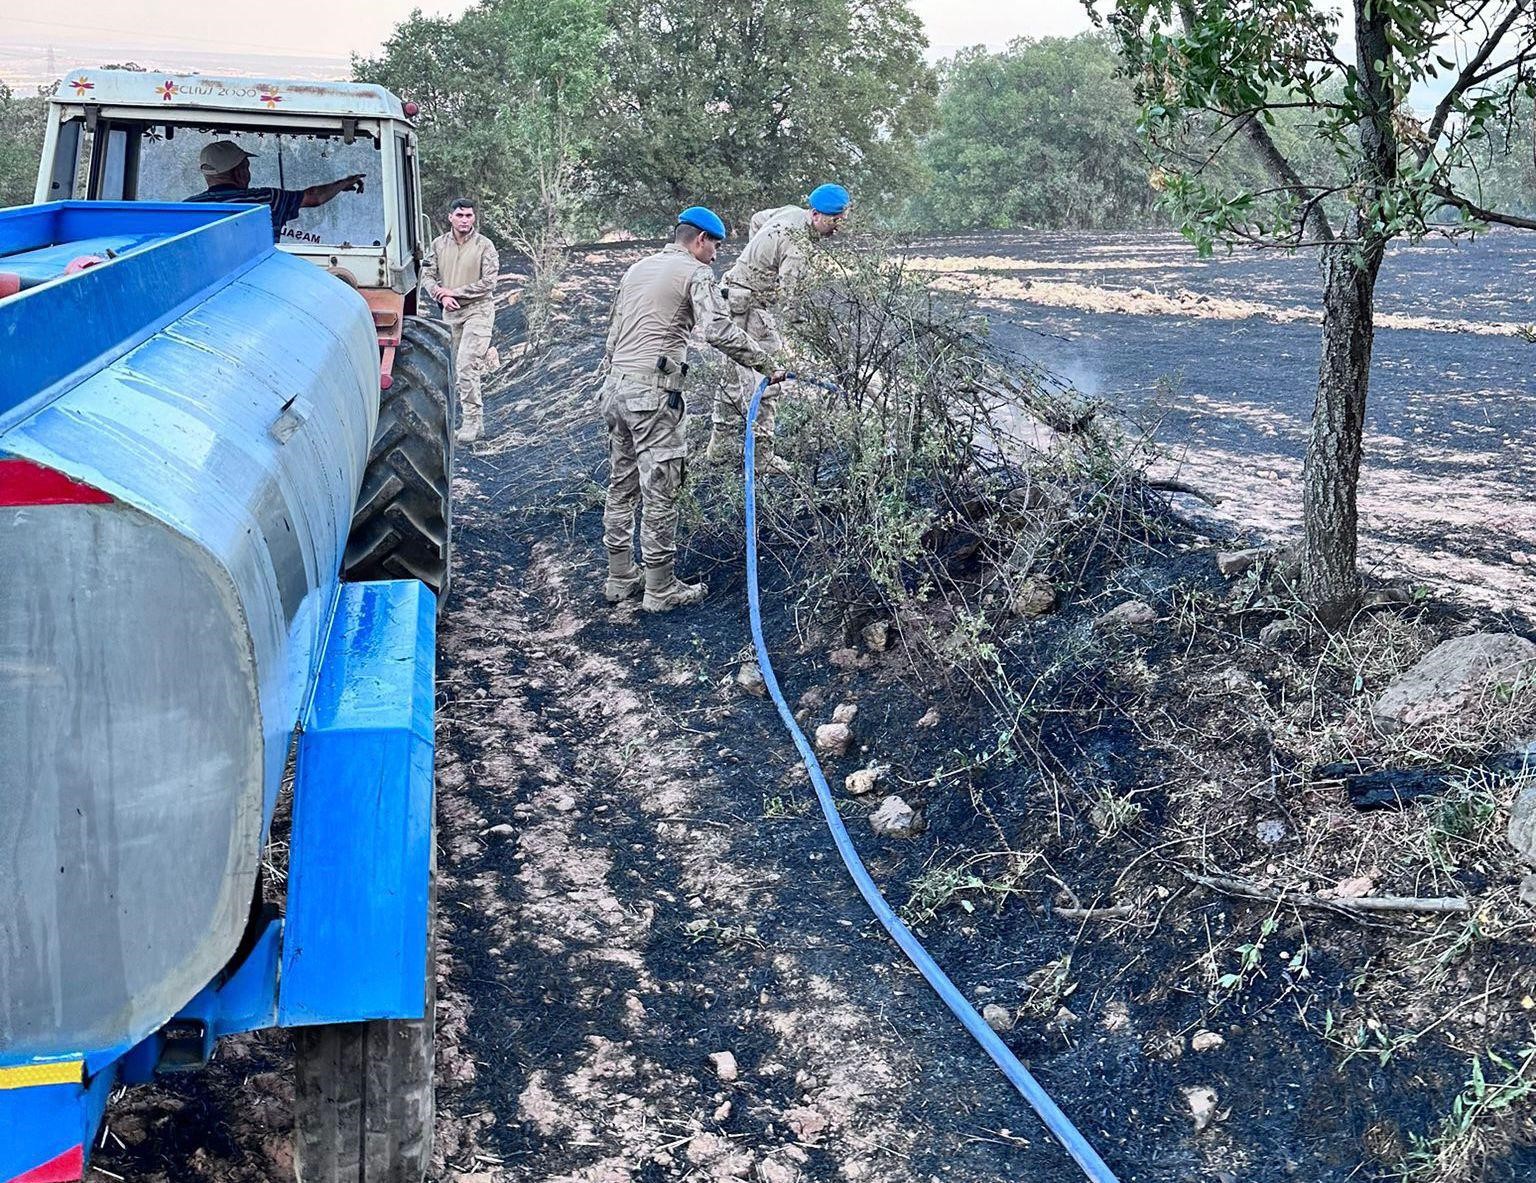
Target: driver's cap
x,y
222,156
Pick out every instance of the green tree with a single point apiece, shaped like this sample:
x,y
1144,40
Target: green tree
x,y
737,103
22,122
1042,134
1234,68
507,91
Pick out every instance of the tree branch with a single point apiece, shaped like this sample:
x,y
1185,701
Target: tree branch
x,y
1469,77
1493,217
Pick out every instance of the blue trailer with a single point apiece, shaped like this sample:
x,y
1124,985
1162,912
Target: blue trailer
x,y
190,423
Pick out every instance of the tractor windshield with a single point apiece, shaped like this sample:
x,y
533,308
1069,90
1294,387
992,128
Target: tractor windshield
x,y
134,161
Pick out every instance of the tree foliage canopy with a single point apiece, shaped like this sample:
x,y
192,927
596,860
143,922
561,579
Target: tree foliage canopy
x,y
735,103
22,120
1042,134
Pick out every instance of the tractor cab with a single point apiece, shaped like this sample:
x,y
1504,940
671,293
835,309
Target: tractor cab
x,y
126,135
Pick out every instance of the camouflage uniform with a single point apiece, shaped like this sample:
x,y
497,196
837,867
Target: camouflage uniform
x,y
660,301
766,274
469,270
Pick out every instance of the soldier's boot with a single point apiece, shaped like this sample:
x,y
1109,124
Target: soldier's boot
x,y
664,591
469,429
624,578
722,446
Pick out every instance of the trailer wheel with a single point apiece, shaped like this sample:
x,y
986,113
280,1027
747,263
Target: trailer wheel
x,y
363,1103
402,527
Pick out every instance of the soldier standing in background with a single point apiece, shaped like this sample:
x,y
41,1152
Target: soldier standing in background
x,y
764,278
660,300
460,274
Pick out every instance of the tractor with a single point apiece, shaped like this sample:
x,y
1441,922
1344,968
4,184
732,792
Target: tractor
x,y
225,536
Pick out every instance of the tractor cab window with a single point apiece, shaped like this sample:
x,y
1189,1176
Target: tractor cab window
x,y
157,162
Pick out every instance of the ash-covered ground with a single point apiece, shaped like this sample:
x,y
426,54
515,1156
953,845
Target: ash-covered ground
x,y
1218,357
634,879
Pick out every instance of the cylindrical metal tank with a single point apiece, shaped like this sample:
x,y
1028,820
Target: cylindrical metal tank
x,y
159,634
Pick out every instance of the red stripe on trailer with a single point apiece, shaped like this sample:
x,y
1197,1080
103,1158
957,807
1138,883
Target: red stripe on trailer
x,y
24,483
67,1168
10,284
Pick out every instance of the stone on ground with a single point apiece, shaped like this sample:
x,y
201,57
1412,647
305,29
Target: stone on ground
x,y
863,781
1522,820
894,819
1133,614
877,636
1206,1041
1033,598
845,712
998,1017
930,718
833,739
1233,563
750,679
724,1064
1453,677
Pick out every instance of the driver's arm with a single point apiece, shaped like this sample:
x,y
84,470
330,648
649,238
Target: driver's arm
x,y
320,194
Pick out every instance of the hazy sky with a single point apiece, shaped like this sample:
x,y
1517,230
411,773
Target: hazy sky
x,y
336,28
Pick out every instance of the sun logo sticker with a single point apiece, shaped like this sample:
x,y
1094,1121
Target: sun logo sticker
x,y
166,90
82,86
269,96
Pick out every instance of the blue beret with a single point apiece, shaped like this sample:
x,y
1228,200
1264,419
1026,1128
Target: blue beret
x,y
704,219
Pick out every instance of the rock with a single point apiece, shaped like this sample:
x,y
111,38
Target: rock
x,y
845,712
1522,820
833,739
1033,598
501,830
894,819
769,1171
998,1017
930,718
1206,1041
863,781
1452,676
1354,888
750,679
1281,634
806,1122
1528,891
1202,1105
723,1111
813,699
1233,563
1134,615
877,636
724,1064
1236,681
1270,831
850,659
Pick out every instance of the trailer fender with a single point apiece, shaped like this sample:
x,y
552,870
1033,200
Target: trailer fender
x,y
355,935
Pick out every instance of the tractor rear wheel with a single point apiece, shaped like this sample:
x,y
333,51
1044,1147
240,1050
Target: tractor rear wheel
x,y
363,1104
402,527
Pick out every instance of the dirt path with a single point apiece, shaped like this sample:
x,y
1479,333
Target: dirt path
x,y
625,899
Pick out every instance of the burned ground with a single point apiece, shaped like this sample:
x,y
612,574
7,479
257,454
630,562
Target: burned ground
x,y
634,878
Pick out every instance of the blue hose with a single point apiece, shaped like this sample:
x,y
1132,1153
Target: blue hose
x,y
1056,1121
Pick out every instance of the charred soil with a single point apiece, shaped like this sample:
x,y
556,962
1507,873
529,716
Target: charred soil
x,y
654,966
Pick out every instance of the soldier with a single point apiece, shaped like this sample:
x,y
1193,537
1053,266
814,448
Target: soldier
x,y
660,300
460,274
764,278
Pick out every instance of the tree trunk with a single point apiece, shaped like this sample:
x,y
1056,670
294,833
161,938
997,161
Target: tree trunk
x,y
1331,585
1332,471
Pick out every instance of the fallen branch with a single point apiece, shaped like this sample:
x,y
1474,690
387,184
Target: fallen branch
x,y
1432,906
1169,485
1116,912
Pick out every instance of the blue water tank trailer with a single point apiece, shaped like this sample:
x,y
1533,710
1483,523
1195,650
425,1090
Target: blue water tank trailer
x,y
189,419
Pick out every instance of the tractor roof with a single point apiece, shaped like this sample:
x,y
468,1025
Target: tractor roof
x,y
170,92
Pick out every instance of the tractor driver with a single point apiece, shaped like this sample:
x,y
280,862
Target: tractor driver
x,y
226,169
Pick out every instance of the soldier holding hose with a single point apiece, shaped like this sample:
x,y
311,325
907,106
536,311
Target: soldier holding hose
x,y
660,300
762,283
